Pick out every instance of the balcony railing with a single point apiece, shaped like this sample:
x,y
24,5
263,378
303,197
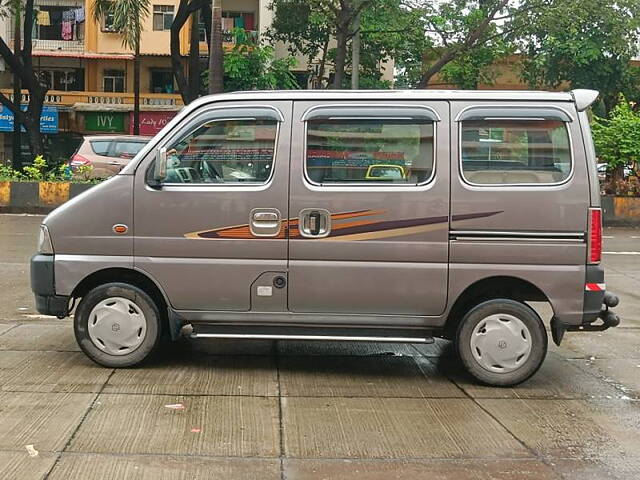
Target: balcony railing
x,y
58,45
105,99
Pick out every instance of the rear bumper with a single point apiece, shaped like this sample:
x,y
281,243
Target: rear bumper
x,y
44,287
597,305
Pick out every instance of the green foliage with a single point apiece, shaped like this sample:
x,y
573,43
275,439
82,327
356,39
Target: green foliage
x,y
583,44
617,138
250,66
40,171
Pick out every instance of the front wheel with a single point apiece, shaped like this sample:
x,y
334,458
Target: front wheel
x,y
117,325
501,342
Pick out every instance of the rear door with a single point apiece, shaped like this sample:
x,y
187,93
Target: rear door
x,y
215,231
369,204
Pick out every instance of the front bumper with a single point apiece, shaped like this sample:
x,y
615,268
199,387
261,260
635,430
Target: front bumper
x,y
44,287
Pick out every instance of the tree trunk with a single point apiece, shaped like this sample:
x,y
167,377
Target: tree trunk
x,y
176,57
355,54
136,88
194,59
216,55
323,63
17,99
341,57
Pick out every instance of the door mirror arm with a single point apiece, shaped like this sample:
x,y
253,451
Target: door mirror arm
x,y
160,169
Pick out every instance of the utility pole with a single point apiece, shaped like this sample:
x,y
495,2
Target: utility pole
x,y
17,95
136,81
355,53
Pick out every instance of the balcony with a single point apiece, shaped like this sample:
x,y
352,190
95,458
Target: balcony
x,y
57,45
97,101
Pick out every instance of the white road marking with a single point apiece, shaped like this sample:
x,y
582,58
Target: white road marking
x,y
621,253
635,236
607,236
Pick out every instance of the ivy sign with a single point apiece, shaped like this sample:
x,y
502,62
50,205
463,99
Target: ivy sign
x,y
104,121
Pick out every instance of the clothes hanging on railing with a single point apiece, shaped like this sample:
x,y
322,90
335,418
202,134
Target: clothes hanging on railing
x,y
79,12
43,19
67,30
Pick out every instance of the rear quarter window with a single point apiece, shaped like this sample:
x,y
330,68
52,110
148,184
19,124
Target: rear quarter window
x,y
128,149
515,152
100,147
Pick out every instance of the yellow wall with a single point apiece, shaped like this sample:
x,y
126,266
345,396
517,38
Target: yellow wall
x,y
146,63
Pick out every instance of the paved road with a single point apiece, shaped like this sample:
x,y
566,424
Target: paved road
x,y
272,410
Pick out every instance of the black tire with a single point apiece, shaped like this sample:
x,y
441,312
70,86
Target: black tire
x,y
537,337
142,300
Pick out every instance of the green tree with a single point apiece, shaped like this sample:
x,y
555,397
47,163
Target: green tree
x,y
20,62
128,16
583,44
308,26
251,66
617,138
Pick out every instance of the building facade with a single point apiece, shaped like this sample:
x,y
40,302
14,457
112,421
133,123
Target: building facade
x,y
90,73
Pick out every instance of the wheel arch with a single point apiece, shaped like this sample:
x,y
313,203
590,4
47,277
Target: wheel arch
x,y
138,279
499,286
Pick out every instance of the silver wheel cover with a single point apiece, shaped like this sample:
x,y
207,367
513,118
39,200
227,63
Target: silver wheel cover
x,y
117,326
501,343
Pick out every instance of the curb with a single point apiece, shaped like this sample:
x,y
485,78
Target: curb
x,y
37,197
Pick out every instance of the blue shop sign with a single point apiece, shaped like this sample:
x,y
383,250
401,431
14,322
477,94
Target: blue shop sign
x,y
48,120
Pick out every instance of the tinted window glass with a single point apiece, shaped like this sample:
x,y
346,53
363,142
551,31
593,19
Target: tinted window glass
x,y
227,151
127,149
375,151
515,151
100,147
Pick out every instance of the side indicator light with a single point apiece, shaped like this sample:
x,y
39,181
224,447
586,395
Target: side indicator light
x,y
120,229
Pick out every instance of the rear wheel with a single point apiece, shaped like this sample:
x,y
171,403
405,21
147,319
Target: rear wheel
x,y
501,342
117,325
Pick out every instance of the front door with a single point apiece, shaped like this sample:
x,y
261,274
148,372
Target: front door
x,y
369,201
215,231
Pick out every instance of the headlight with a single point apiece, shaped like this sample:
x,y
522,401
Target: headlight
x,y
44,241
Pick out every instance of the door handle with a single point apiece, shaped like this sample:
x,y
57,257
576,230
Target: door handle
x,y
264,222
265,216
314,222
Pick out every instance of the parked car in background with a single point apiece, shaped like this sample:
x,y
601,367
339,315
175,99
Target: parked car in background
x,y
106,154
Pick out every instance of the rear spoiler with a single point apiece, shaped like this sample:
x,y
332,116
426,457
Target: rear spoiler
x,y
584,98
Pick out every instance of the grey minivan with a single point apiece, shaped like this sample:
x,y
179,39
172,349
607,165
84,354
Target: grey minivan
x,y
259,215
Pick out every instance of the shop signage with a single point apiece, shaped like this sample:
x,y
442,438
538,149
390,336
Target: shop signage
x,y
48,120
104,121
151,122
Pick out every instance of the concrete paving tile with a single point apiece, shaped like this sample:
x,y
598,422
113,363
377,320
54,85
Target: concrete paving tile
x,y
229,426
572,428
50,372
20,466
612,343
44,420
301,348
581,469
199,375
557,378
623,374
15,285
295,469
5,327
209,346
393,428
34,336
362,376
170,467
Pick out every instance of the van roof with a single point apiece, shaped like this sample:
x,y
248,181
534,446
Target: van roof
x,y
426,94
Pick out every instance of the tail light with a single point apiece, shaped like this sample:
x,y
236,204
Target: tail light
x,y
79,160
594,240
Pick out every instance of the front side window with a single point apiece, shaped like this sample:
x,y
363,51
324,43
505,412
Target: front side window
x,y
162,17
369,151
508,152
114,81
224,151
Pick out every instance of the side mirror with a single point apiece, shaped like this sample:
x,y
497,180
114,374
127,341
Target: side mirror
x,y
160,171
